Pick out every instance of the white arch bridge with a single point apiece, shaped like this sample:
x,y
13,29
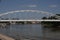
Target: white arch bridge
x,y
26,16
35,11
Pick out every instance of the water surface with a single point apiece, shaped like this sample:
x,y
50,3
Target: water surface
x,y
26,30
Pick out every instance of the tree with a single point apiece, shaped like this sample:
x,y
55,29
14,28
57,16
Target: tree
x,y
52,17
44,18
58,14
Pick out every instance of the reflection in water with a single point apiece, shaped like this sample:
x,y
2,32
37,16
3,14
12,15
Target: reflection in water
x,y
19,31
26,31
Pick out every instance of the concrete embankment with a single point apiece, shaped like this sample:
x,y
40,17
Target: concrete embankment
x,y
4,37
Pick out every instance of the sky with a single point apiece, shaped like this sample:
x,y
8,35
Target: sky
x,y
49,6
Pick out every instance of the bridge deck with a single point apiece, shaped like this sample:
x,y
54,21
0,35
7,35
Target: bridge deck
x,y
29,20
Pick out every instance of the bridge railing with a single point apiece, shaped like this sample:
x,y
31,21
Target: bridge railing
x,y
29,20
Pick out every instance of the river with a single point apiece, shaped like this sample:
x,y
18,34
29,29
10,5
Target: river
x,y
27,31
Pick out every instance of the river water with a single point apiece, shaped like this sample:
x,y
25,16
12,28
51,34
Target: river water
x,y
22,30
25,31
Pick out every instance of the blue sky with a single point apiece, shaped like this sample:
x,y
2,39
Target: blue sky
x,y
51,6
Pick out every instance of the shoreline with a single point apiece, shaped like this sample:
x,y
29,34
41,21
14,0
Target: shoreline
x,y
4,37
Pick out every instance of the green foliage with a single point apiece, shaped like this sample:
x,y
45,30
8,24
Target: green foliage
x,y
44,18
58,14
52,17
48,24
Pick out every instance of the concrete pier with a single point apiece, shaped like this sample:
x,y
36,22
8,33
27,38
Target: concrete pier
x,y
4,37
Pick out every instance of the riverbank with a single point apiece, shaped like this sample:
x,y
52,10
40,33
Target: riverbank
x,y
4,37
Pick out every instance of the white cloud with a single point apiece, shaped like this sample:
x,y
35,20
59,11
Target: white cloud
x,y
36,11
32,5
53,6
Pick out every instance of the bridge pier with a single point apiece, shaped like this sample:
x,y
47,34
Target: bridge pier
x,y
12,22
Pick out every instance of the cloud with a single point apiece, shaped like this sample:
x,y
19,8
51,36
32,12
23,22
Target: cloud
x,y
32,5
53,6
36,11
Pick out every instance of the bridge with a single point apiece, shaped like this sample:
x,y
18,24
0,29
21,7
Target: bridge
x,y
27,20
23,20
